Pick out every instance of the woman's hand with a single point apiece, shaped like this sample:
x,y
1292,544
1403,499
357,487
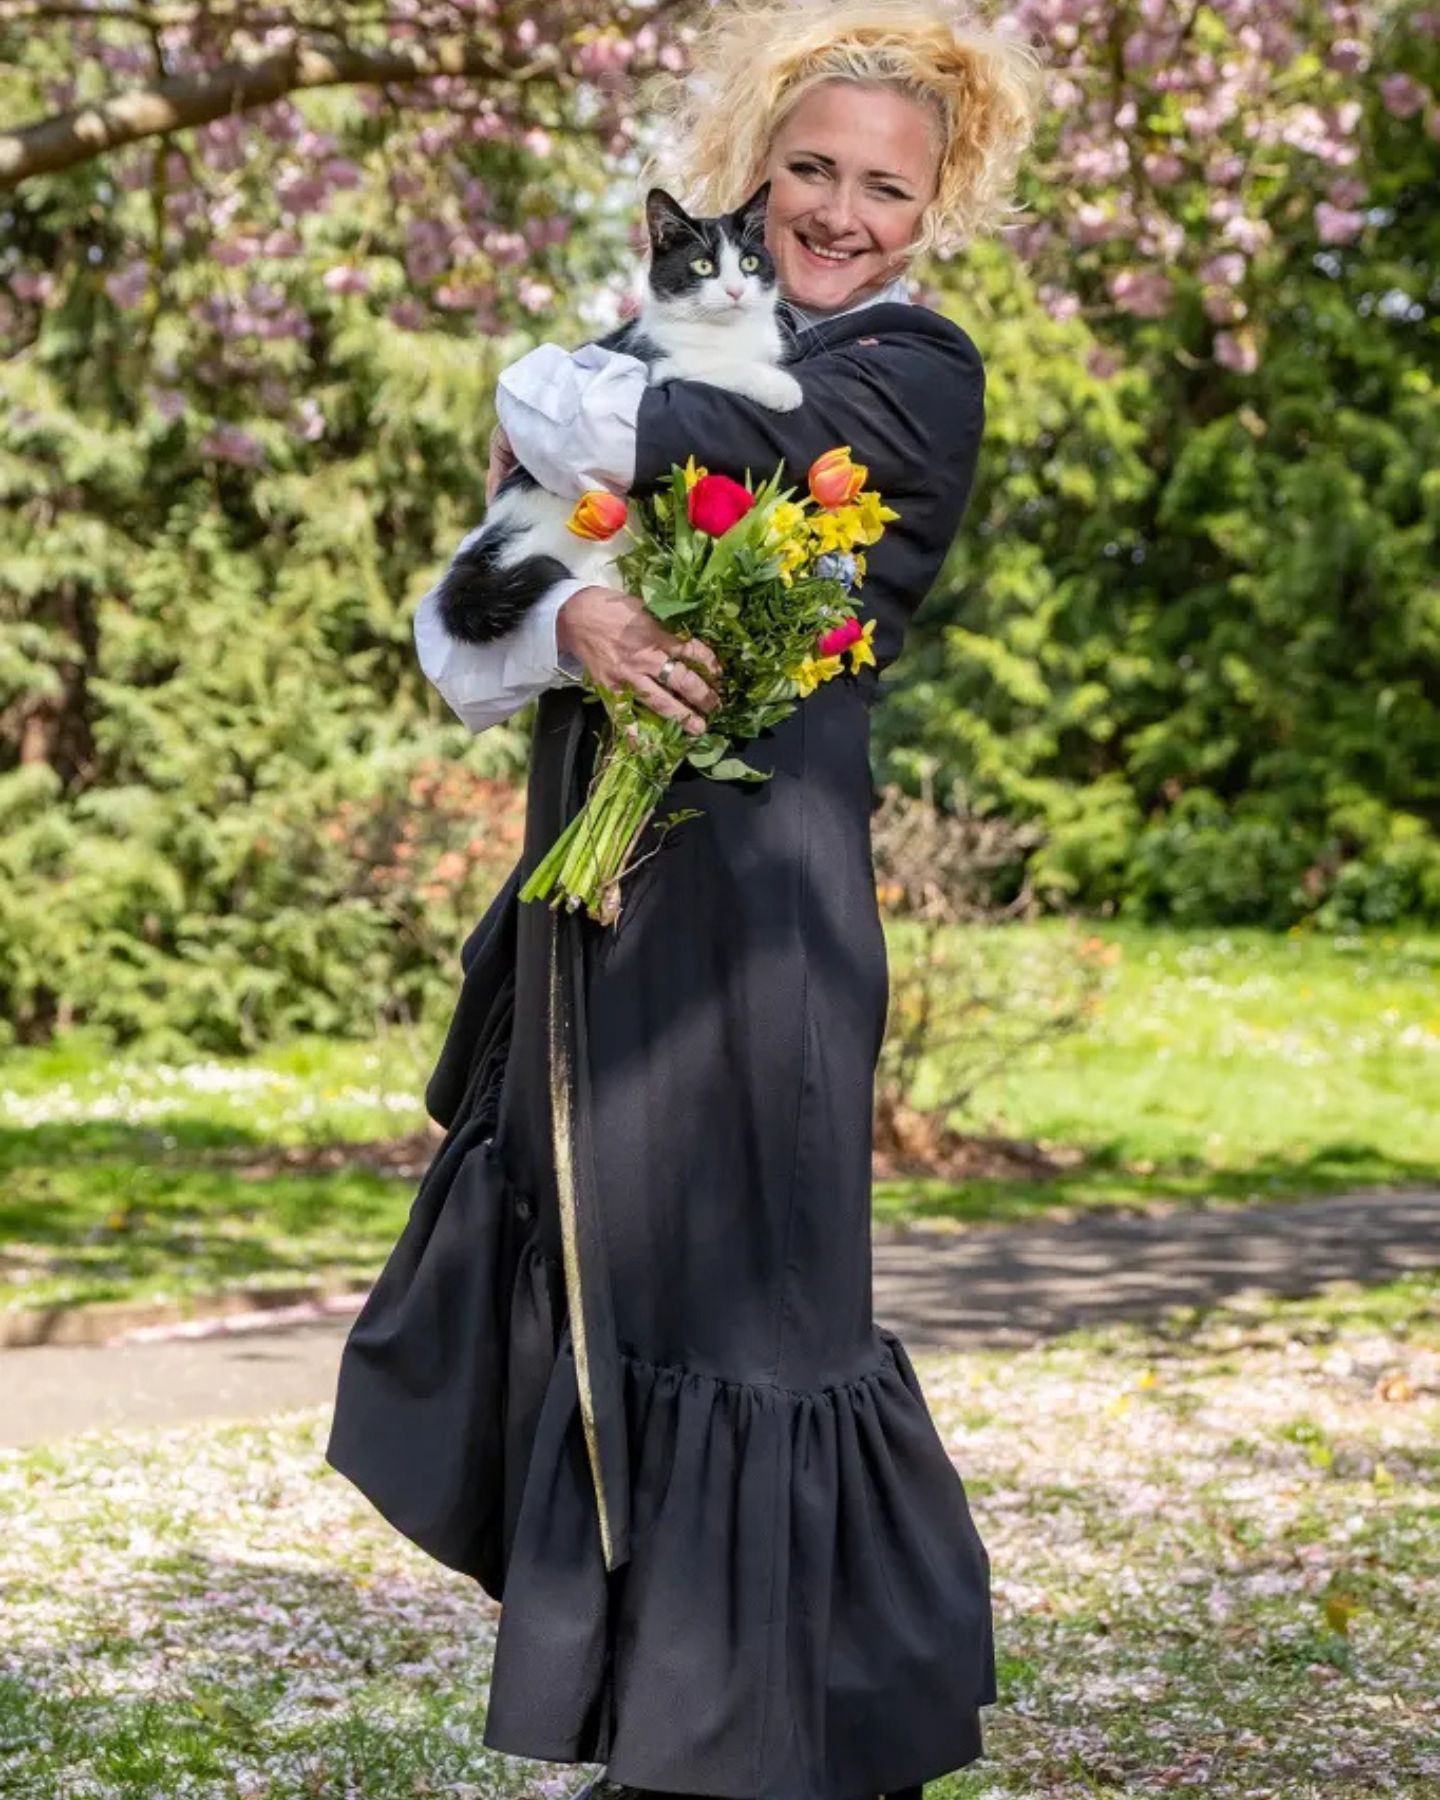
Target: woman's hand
x,y
623,645
502,461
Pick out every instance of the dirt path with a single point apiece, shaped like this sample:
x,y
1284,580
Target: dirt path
x,y
940,1290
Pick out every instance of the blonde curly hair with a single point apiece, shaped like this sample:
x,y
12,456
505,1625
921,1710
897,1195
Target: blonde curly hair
x,y
753,60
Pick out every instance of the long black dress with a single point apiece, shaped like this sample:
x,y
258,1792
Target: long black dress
x,y
621,1366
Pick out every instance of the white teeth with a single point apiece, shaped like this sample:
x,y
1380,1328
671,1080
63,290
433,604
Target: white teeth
x,y
829,255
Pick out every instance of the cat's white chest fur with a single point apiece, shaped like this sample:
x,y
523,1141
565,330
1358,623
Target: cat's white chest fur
x,y
741,354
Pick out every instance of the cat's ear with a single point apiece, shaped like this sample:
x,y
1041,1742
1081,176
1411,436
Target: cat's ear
x,y
750,216
666,219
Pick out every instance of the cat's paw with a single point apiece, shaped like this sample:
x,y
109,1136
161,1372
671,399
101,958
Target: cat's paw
x,y
775,389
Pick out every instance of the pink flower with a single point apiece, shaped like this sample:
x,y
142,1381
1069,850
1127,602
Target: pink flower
x,y
840,637
1403,95
1237,350
1337,226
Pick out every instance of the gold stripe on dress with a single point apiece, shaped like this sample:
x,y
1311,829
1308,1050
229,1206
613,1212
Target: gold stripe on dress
x,y
565,1183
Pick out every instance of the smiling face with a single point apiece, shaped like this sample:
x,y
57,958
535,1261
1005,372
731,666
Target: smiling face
x,y
851,170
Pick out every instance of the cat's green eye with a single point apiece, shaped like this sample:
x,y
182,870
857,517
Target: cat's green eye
x,y
749,264
702,265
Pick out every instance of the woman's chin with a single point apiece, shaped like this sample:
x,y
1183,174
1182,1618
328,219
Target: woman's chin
x,y
825,295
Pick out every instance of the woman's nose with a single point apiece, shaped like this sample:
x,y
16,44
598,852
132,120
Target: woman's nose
x,y
836,216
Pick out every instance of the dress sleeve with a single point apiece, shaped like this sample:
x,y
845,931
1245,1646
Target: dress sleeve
x,y
570,415
484,683
910,406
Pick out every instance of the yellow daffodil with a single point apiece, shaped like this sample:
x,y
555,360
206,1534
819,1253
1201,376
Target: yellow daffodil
x,y
873,516
862,650
839,529
786,520
692,473
809,674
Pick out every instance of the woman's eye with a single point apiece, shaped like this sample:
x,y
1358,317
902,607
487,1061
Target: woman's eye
x,y
702,265
749,264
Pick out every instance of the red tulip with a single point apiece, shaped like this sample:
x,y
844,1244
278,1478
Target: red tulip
x,y
716,503
598,515
831,643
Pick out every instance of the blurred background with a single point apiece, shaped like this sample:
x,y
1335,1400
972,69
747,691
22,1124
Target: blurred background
x,y
1157,827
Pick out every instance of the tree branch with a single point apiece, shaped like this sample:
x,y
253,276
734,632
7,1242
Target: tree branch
x,y
185,101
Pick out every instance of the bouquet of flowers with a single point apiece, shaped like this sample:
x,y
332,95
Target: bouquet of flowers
x,y
767,580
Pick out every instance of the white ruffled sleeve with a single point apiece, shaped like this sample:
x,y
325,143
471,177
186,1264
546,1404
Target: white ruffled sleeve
x,y
571,414
484,683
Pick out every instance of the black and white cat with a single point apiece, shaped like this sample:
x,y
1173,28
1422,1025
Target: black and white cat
x,y
709,314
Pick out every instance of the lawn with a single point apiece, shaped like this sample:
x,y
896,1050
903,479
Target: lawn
x,y
1217,1068
1215,1552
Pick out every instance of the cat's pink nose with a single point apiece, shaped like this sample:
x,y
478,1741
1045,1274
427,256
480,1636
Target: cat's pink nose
x,y
735,293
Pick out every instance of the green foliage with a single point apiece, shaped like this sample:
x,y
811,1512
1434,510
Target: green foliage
x,y
1186,642
1192,624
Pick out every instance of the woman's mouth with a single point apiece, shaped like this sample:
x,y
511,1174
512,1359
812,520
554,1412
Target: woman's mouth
x,y
822,255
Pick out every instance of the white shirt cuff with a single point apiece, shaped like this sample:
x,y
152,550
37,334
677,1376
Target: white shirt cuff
x,y
571,414
484,683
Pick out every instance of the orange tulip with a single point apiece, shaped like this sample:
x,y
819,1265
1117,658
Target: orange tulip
x,y
598,515
834,479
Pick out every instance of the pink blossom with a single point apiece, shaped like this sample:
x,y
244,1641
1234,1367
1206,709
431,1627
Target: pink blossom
x,y
535,296
506,246
235,252
1223,306
1102,362
1059,302
1092,224
408,314
1348,56
1336,225
1237,351
1403,95
1347,190
1164,168
1145,293
127,287
1225,171
1250,234
1228,268
168,402
346,280
32,284
228,443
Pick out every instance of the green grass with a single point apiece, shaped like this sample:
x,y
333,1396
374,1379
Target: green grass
x,y
1232,1067
1219,1068
1214,1544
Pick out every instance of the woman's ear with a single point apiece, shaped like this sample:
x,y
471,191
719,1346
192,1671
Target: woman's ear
x,y
665,218
750,216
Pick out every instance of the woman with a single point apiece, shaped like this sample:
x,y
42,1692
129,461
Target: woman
x,y
621,1366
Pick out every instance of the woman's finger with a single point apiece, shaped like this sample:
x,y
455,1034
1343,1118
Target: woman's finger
x,y
697,651
667,704
691,687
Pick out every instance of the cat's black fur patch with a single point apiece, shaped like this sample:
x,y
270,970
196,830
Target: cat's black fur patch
x,y
480,600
